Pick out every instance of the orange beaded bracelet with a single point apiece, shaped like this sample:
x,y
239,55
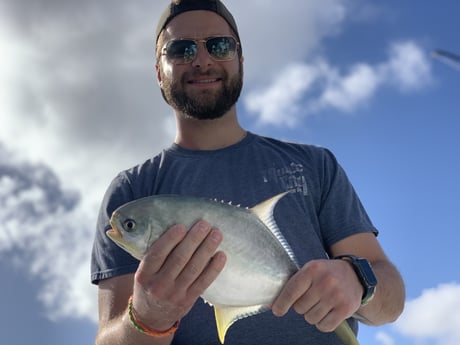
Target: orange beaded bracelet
x,y
144,329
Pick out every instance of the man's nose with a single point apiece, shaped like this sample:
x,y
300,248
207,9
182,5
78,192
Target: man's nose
x,y
202,57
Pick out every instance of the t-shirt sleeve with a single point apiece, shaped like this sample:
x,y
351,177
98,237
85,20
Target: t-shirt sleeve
x,y
341,211
107,259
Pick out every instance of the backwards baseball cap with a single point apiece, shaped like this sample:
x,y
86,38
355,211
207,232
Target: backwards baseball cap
x,y
180,6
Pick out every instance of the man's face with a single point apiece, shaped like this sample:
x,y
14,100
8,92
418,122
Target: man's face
x,y
203,88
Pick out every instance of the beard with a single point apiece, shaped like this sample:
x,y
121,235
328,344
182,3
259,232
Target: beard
x,y
209,104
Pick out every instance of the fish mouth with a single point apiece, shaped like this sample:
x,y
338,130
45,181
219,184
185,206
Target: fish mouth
x,y
114,233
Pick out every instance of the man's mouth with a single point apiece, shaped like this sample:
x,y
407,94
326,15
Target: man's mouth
x,y
204,81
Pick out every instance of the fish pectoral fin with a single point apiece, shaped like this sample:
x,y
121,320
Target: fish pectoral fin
x,y
226,316
346,334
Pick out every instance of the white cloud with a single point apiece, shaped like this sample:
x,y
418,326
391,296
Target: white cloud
x,y
300,90
80,87
384,338
435,316
351,90
46,233
278,104
408,67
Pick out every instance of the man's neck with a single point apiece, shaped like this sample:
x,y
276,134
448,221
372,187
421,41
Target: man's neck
x,y
215,134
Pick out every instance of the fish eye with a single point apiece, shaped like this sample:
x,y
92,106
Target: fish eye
x,y
129,225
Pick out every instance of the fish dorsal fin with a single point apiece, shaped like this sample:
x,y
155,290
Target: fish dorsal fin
x,y
226,316
264,211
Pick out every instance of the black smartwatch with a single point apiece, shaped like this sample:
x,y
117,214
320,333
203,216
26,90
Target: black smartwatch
x,y
366,276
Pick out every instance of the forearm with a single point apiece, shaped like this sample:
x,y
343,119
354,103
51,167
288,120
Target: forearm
x,y
388,302
120,331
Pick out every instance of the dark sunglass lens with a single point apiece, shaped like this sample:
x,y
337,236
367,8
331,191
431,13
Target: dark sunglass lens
x,y
181,51
221,48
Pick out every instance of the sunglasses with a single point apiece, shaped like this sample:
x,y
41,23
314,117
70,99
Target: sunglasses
x,y
184,51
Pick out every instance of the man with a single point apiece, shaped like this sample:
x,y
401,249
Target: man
x,y
200,69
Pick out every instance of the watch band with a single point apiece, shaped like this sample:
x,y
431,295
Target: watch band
x,y
365,274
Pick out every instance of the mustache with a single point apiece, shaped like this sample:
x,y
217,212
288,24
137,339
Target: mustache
x,y
208,73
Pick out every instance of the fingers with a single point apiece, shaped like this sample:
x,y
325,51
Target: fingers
x,y
196,262
200,243
156,255
295,288
181,264
209,274
319,292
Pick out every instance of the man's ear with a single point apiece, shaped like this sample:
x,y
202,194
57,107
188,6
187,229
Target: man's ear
x,y
157,68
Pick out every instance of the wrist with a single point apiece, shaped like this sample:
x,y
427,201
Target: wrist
x,y
365,275
161,331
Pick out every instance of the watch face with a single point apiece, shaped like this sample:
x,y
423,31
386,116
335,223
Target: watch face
x,y
365,274
368,274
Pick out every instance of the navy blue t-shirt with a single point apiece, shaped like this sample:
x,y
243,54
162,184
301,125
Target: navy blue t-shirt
x,y
322,209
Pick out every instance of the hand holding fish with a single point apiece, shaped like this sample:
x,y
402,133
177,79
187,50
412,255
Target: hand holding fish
x,y
174,272
326,292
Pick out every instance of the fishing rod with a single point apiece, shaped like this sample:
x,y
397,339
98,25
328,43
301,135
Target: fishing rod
x,y
446,57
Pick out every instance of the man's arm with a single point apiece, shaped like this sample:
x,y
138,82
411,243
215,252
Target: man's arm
x,y
174,272
115,327
327,292
388,302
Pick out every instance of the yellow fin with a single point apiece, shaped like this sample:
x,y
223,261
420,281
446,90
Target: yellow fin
x,y
346,334
264,211
226,316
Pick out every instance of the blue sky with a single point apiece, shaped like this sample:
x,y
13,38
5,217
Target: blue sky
x,y
79,102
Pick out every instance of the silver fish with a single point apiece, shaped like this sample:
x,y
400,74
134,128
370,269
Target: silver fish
x,y
259,259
